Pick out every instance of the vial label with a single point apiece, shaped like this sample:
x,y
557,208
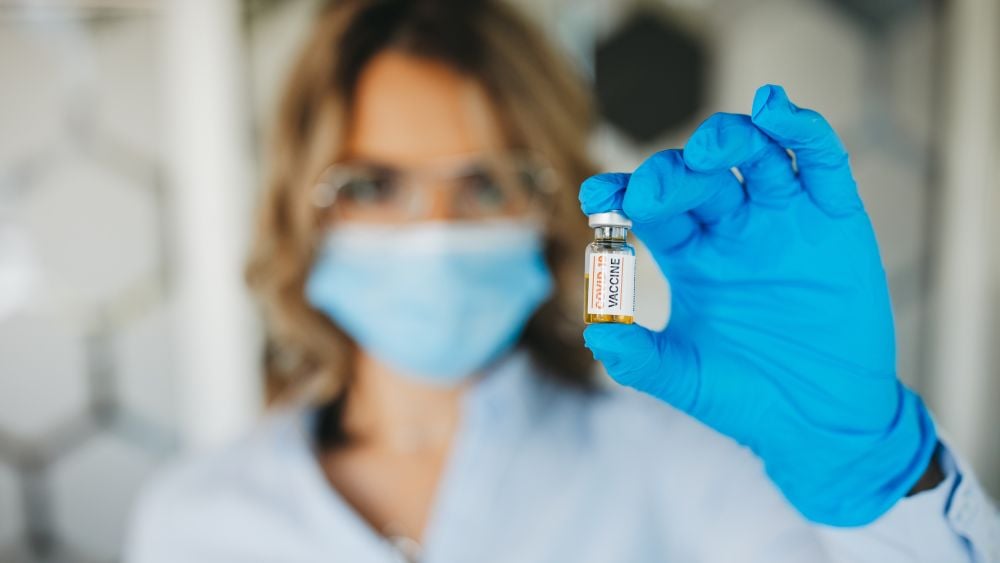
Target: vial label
x,y
611,284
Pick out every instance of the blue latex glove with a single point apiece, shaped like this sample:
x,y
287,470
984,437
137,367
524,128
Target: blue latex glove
x,y
781,331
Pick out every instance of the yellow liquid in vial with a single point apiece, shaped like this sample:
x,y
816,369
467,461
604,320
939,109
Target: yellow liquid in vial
x,y
591,318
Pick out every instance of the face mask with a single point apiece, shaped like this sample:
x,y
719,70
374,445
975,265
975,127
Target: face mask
x,y
435,300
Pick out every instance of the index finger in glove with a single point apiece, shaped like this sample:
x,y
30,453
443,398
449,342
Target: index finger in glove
x,y
727,140
603,192
819,154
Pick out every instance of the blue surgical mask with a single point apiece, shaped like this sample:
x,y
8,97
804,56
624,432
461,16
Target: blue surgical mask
x,y
435,300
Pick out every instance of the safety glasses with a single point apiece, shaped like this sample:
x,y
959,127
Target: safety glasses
x,y
471,187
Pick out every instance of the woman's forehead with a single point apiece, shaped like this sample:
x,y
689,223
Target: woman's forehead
x,y
409,110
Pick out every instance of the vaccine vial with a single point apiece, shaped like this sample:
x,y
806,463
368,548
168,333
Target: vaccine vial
x,y
609,273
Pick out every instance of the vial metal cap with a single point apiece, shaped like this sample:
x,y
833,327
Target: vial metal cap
x,y
613,218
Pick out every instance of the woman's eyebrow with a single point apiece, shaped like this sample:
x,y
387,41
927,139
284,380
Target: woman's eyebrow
x,y
373,162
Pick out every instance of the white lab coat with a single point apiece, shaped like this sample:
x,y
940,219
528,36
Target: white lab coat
x,y
541,473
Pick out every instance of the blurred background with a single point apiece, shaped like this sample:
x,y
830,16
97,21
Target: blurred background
x,y
132,137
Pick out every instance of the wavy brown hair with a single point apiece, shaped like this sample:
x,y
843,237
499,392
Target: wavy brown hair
x,y
538,102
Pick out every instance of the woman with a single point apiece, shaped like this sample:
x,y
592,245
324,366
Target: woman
x,y
418,254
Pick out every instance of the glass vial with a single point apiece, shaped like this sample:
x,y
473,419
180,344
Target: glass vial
x,y
609,273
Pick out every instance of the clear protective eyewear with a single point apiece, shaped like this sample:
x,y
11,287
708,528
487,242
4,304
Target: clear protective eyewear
x,y
481,186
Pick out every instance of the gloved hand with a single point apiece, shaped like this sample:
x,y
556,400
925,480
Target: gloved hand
x,y
780,333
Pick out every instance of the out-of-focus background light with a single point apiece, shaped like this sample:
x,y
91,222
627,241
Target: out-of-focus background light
x,y
132,135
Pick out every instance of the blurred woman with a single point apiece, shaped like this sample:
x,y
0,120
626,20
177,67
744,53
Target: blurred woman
x,y
418,256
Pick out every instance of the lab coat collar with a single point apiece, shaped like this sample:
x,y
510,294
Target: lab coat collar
x,y
500,407
498,412
509,396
